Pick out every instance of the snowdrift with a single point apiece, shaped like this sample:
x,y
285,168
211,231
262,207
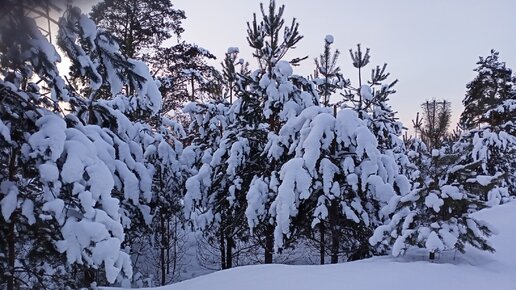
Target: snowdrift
x,y
451,270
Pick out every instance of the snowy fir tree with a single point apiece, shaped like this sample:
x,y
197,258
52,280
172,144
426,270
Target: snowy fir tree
x,y
264,100
493,85
57,192
274,96
436,214
148,185
81,175
489,118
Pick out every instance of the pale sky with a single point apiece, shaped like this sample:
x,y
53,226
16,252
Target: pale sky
x,y
430,46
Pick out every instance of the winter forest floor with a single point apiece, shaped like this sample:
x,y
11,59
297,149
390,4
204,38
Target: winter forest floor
x,y
471,271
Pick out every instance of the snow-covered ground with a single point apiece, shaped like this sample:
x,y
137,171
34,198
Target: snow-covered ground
x,y
451,270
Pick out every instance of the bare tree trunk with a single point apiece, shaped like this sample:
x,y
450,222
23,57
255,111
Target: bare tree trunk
x,y
222,249
229,252
11,253
168,245
11,235
176,240
322,246
162,254
269,244
193,88
335,239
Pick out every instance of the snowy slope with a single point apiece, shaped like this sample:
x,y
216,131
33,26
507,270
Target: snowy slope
x,y
474,270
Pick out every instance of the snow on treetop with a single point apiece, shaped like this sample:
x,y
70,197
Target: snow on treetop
x,y
329,39
233,50
366,92
284,68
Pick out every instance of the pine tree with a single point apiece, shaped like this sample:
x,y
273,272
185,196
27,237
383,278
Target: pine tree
x,y
148,174
328,79
338,172
370,99
140,27
493,85
231,78
65,194
145,30
436,122
275,95
328,76
489,118
436,213
185,76
247,157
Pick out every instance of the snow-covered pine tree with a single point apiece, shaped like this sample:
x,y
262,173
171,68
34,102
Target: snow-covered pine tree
x,y
231,77
493,85
58,212
338,172
230,181
28,255
371,101
212,205
146,166
275,95
345,167
328,76
435,214
489,117
329,79
161,258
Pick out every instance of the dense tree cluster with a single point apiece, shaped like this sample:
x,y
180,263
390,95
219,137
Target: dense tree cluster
x,y
142,154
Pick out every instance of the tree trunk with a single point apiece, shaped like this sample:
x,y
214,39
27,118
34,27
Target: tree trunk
x,y
431,256
193,88
335,239
322,246
175,250
168,245
222,250
229,252
163,243
11,253
11,235
269,244
333,213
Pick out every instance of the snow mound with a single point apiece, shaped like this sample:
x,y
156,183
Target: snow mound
x,y
473,270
